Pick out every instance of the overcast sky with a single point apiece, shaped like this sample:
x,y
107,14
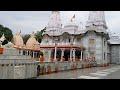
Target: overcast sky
x,y
29,21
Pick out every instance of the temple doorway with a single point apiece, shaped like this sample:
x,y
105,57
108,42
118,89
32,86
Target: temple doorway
x,y
77,53
58,54
67,54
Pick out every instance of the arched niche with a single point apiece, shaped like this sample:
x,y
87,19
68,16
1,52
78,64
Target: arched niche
x,y
66,37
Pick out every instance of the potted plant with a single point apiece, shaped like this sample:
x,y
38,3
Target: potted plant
x,y
68,57
76,58
57,57
1,50
84,59
43,70
72,58
41,57
63,59
49,68
82,66
57,69
89,66
76,66
107,64
52,59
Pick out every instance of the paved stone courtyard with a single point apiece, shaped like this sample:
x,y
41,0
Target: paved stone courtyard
x,y
87,73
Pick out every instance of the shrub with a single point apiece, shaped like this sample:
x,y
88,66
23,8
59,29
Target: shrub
x,y
41,54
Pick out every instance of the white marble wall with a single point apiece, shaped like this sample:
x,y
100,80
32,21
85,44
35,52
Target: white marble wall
x,y
115,54
99,46
22,69
16,66
99,49
84,41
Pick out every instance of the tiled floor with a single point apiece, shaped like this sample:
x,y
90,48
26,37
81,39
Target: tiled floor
x,y
87,73
103,74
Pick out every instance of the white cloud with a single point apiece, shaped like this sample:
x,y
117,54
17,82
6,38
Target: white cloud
x,y
29,21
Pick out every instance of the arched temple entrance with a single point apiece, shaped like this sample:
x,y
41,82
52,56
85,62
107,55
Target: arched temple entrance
x,y
58,54
67,54
78,53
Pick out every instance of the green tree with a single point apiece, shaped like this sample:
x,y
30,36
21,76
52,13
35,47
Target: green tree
x,y
25,38
7,32
38,35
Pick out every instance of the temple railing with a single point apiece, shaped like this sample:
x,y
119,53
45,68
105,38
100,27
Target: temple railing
x,y
65,44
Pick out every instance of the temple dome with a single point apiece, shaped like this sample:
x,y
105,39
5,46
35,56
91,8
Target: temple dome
x,y
32,43
70,27
18,40
71,24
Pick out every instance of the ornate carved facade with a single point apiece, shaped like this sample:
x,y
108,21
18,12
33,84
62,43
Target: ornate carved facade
x,y
94,37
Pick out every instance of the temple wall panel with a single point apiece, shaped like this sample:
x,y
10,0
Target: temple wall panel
x,y
99,56
98,47
115,54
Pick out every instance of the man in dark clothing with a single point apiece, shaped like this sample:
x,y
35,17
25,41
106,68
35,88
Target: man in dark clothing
x,y
5,42
38,70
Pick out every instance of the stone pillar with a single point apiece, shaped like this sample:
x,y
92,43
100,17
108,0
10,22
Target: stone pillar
x,y
62,54
71,54
74,54
81,55
21,52
55,53
27,52
33,54
49,54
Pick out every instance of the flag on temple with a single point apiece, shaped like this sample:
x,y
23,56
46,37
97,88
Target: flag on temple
x,y
72,18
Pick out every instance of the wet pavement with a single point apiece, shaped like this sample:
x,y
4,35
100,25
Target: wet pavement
x,y
110,72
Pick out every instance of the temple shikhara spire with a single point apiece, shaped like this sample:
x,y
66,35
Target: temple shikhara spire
x,y
96,18
54,24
